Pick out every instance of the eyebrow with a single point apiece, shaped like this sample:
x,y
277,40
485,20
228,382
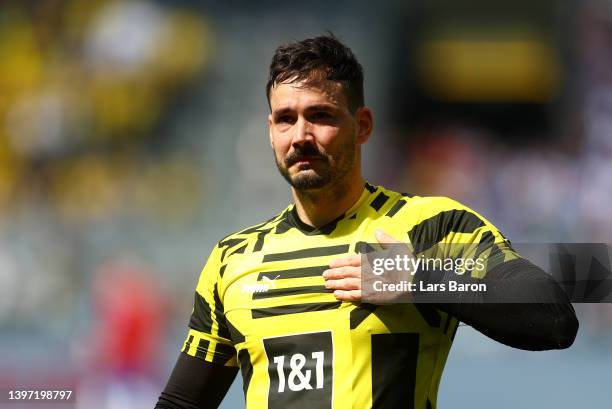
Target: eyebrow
x,y
316,107
280,112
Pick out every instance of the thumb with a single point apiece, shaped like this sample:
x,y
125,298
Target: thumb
x,y
384,239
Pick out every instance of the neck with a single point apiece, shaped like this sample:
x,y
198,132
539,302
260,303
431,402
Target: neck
x,y
321,206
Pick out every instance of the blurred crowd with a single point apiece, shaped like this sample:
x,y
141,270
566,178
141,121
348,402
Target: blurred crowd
x,y
122,124
541,188
548,188
86,93
84,89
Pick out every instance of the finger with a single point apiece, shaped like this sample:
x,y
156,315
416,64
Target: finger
x,y
342,272
351,296
352,260
384,239
344,284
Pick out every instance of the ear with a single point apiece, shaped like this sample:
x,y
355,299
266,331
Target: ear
x,y
270,130
365,124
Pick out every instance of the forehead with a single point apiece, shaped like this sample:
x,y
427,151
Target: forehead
x,y
301,94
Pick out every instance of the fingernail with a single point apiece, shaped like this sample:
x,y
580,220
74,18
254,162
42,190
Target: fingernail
x,y
325,274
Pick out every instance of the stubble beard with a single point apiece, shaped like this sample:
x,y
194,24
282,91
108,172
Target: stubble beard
x,y
333,172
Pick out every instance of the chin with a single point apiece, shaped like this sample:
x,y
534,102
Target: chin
x,y
309,181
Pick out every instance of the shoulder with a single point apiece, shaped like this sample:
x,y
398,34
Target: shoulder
x,y
444,213
423,206
438,218
423,215
405,204
437,204
239,241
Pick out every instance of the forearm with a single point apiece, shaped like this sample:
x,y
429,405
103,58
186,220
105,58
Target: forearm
x,y
543,319
196,384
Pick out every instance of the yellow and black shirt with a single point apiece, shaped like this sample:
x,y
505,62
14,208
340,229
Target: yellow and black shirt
x,y
261,304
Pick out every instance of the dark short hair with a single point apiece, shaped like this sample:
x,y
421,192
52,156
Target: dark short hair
x,y
322,57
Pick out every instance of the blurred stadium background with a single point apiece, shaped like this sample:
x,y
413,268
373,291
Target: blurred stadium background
x,y
133,137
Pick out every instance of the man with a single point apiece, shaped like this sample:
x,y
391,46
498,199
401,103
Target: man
x,y
262,301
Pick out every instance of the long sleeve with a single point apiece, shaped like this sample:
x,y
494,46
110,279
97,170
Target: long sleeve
x,y
523,306
196,384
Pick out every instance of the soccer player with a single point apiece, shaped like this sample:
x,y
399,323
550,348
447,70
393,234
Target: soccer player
x,y
262,303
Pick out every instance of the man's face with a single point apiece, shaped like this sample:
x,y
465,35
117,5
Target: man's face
x,y
313,134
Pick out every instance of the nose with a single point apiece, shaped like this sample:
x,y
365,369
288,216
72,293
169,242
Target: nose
x,y
303,131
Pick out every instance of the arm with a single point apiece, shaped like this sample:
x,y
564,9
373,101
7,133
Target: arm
x,y
523,306
196,384
207,363
544,319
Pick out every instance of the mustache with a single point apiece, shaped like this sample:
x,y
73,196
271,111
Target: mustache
x,y
308,151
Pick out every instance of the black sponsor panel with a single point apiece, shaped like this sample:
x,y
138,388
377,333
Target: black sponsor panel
x,y
394,363
300,368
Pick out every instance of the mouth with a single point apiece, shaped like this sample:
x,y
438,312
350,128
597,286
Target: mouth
x,y
306,161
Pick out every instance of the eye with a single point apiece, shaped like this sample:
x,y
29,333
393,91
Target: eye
x,y
321,116
285,119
